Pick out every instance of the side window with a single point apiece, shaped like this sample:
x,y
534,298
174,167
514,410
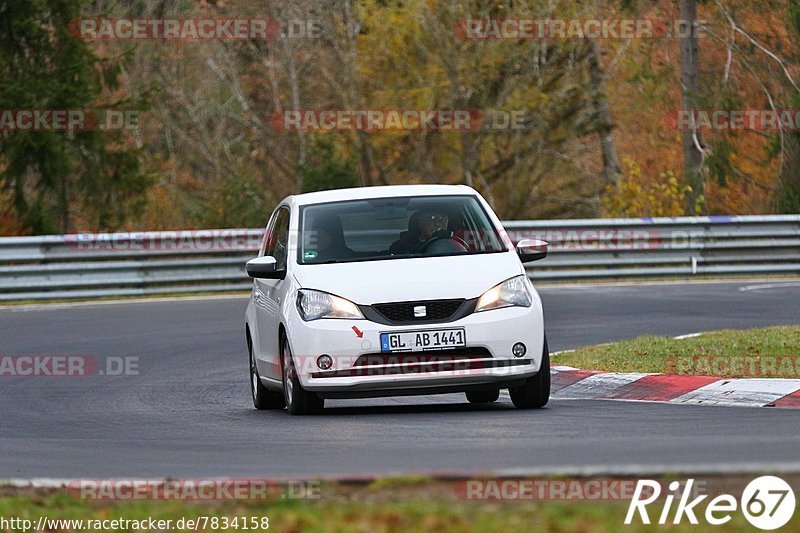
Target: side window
x,y
267,239
278,239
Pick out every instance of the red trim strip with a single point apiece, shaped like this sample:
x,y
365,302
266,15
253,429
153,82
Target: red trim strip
x,y
565,378
661,387
790,400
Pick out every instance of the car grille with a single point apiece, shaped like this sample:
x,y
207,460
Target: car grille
x,y
429,356
403,312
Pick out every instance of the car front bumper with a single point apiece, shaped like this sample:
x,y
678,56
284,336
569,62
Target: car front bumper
x,y
493,332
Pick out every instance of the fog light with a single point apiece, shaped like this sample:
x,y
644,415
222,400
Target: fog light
x,y
519,350
324,362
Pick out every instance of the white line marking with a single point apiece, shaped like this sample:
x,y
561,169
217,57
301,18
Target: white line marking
x,y
767,286
687,336
44,483
741,392
598,385
542,285
644,470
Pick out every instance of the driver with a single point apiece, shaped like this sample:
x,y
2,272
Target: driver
x,y
431,223
422,226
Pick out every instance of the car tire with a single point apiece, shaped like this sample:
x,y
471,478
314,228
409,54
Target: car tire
x,y
263,398
535,393
298,400
487,396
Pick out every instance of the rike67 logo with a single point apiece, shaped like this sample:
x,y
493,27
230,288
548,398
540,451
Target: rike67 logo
x,y
767,502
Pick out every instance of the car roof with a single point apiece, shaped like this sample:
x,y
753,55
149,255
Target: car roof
x,y
383,191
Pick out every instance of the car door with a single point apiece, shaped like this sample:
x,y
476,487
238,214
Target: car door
x,y
267,295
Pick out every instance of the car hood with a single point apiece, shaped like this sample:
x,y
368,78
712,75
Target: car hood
x,y
397,280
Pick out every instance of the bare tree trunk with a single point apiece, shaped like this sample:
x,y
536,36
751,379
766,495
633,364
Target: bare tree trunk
x,y
366,161
604,123
787,197
294,86
468,158
692,142
64,205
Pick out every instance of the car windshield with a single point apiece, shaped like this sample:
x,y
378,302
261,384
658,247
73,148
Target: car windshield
x,y
395,228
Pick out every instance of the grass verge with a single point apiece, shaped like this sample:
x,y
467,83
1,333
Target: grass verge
x,y
762,352
382,506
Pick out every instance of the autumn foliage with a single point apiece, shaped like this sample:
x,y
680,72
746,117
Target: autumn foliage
x,y
593,138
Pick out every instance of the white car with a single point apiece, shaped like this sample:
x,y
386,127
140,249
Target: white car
x,y
397,290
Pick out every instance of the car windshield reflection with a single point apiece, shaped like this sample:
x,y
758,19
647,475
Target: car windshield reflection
x,y
395,228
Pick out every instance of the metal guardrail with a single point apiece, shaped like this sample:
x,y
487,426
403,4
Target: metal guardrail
x,y
204,261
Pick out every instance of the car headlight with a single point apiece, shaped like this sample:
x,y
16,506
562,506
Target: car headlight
x,y
314,305
511,293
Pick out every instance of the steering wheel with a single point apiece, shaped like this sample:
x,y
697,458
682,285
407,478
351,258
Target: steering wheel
x,y
457,243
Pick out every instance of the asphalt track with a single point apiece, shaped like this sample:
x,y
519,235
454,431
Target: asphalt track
x,y
188,412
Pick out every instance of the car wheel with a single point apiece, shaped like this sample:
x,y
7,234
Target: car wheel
x,y
487,396
536,391
263,398
298,400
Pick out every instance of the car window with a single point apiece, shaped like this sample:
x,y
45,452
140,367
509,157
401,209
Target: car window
x,y
393,228
277,240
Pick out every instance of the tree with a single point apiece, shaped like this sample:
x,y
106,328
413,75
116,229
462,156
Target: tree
x,y
53,174
323,169
602,116
787,197
692,141
534,169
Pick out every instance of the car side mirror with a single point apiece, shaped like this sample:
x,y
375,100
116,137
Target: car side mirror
x,y
265,267
531,250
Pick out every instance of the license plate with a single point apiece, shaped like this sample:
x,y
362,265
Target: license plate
x,y
414,341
